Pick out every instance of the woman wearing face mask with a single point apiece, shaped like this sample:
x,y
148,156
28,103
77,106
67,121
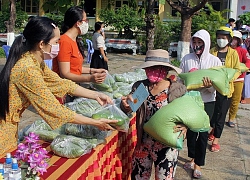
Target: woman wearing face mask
x,y
238,83
99,58
26,80
200,59
68,63
230,59
161,92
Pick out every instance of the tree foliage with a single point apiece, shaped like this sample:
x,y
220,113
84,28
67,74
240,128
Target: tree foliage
x,y
123,18
58,17
58,5
165,33
245,18
209,20
21,18
187,11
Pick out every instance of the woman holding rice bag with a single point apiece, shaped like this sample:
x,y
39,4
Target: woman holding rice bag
x,y
230,59
25,80
200,59
161,92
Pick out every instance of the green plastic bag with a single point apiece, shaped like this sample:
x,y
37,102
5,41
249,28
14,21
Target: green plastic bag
x,y
243,68
187,110
220,76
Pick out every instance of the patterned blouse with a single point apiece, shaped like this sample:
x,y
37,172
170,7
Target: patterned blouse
x,y
33,83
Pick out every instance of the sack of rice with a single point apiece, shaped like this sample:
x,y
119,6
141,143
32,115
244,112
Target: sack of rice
x,y
221,77
187,110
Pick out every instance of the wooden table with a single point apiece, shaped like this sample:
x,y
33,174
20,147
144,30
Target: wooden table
x,y
110,161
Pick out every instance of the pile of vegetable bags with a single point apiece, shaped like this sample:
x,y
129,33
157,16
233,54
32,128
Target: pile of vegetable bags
x,y
70,140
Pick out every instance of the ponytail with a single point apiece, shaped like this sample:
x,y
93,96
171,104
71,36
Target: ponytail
x,y
17,49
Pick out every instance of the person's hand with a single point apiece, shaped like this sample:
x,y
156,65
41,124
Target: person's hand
x,y
94,70
103,124
124,101
207,83
98,77
103,99
181,128
106,59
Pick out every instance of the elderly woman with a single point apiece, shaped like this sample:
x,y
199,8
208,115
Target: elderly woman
x,y
161,92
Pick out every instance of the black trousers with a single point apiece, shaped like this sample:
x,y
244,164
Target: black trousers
x,y
197,141
222,105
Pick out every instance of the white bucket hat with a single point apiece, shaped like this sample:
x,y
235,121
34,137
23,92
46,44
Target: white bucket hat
x,y
157,57
237,34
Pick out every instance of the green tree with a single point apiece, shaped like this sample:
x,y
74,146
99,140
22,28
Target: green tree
x,y
56,6
209,20
21,18
123,18
187,12
57,17
165,33
245,18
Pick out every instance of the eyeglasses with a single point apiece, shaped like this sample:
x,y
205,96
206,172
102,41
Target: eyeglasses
x,y
85,20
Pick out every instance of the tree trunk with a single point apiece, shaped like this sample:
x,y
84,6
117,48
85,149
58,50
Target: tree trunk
x,y
184,43
10,24
150,25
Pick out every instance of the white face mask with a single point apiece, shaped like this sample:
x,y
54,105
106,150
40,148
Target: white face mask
x,y
102,30
222,43
53,53
84,27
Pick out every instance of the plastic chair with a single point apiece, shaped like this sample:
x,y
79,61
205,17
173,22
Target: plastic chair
x,y
6,49
90,50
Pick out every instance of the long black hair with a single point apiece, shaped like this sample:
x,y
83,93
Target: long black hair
x,y
37,29
71,16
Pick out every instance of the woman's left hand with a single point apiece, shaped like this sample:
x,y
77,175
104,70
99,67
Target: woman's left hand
x,y
182,128
207,83
103,99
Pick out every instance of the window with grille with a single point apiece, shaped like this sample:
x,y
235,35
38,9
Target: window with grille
x,y
30,6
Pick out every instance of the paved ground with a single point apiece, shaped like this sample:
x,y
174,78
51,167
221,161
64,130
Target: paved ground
x,y
231,163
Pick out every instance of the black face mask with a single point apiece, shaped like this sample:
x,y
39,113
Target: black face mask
x,y
198,48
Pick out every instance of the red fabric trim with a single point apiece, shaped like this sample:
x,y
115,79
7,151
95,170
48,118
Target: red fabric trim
x,y
77,164
54,167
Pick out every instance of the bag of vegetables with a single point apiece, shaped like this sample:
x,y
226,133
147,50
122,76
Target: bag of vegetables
x,y
39,124
108,85
113,112
44,131
71,146
85,131
84,106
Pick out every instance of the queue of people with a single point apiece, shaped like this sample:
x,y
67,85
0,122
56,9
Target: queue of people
x,y
26,80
